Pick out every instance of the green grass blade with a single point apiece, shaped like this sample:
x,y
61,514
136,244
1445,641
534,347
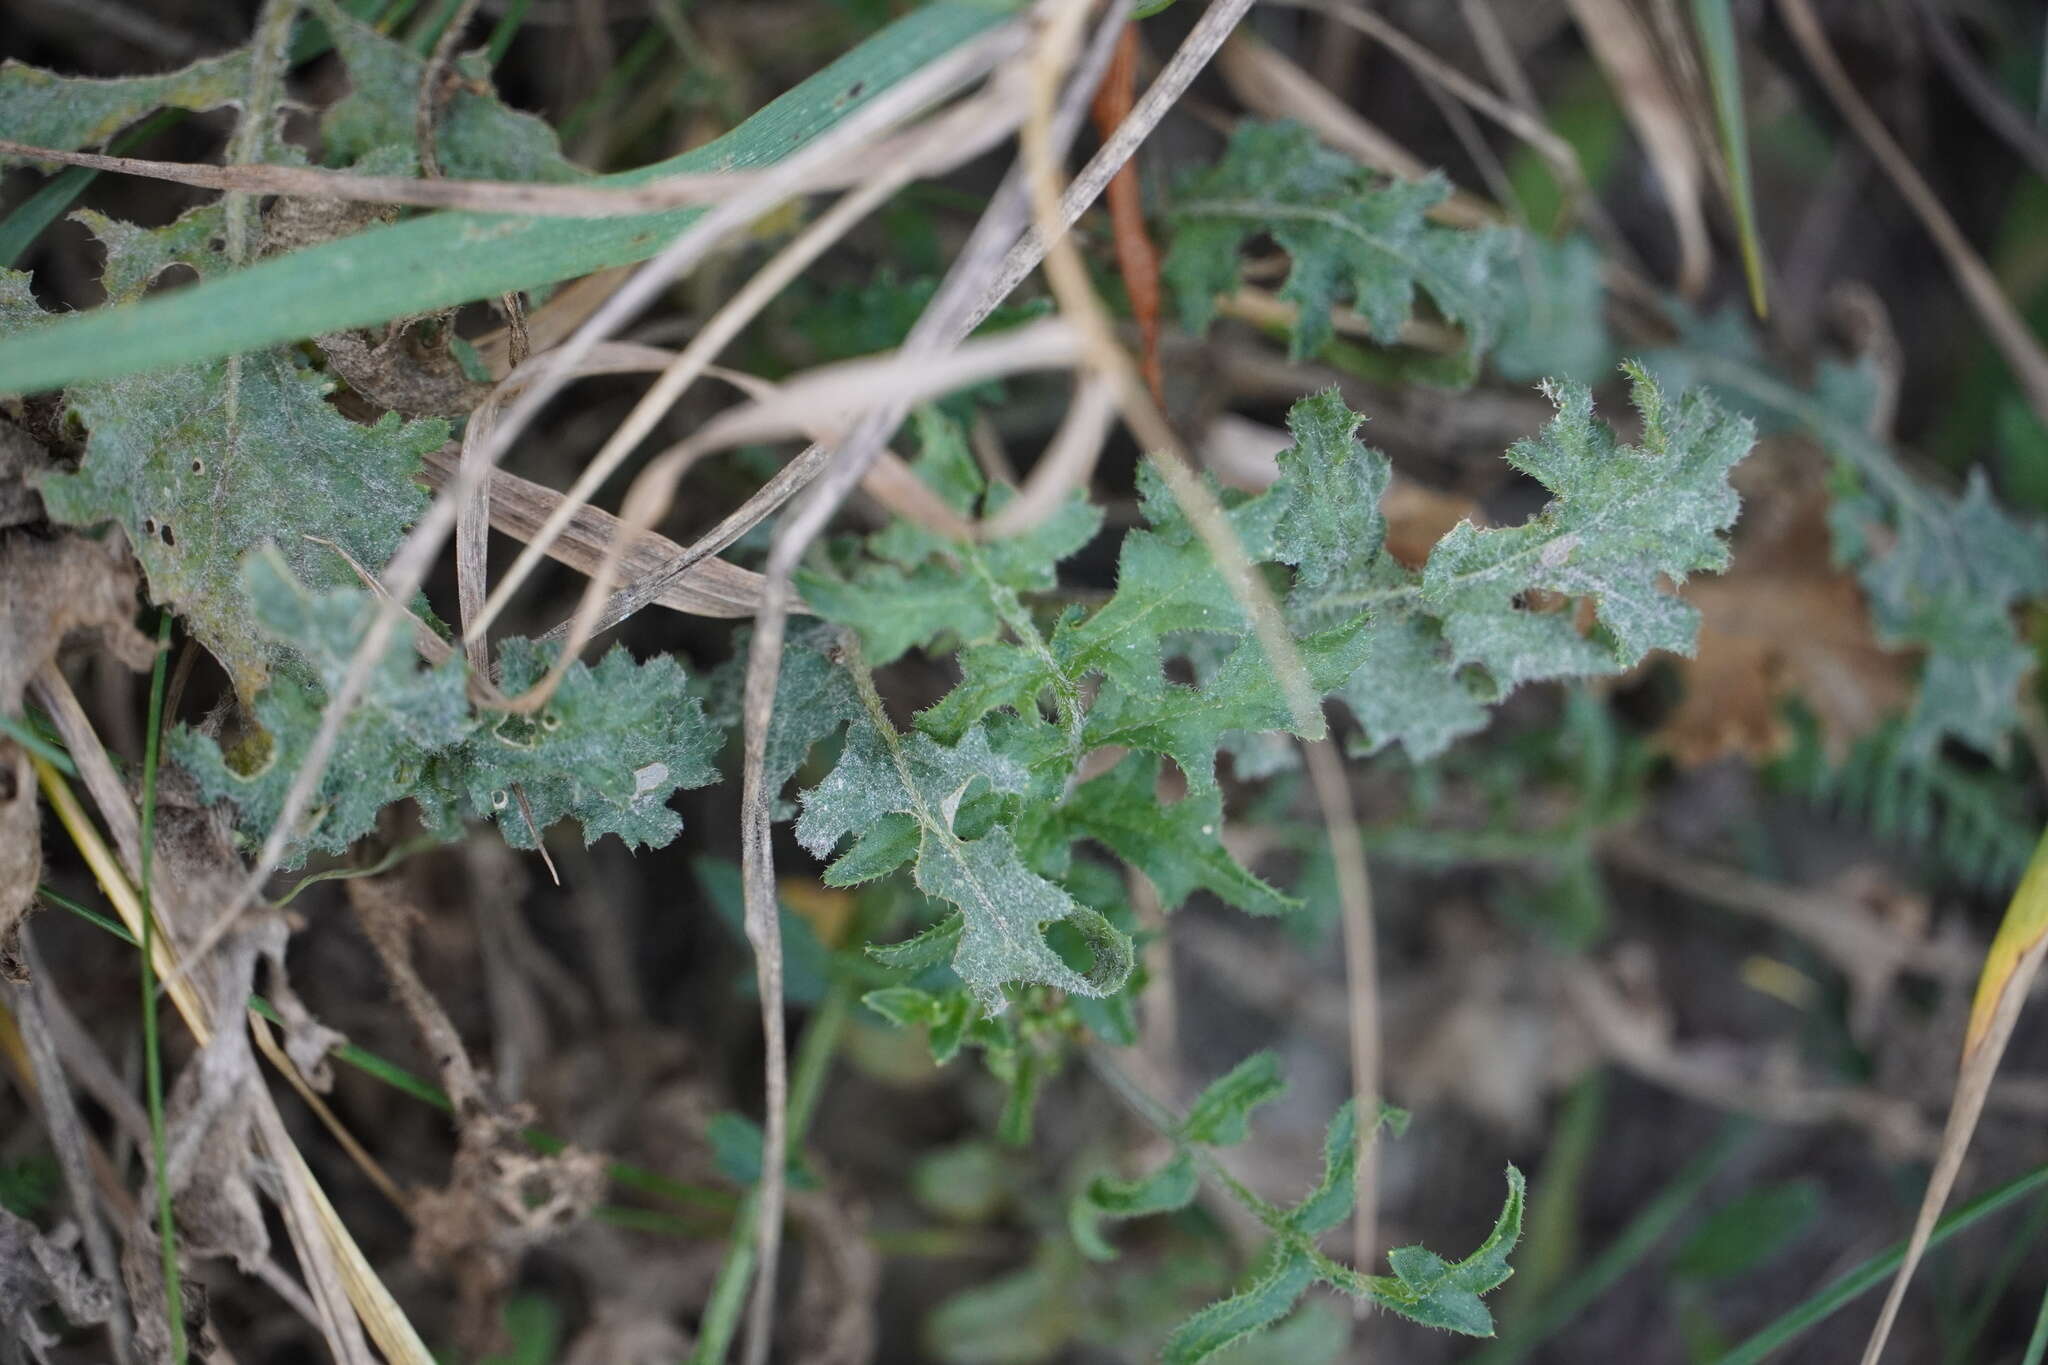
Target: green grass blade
x,y
152,1053
1875,1271
500,41
2037,1344
1724,75
444,259
26,223
1635,1241
21,227
24,733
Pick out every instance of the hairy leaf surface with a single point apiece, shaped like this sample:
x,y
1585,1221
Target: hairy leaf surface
x,y
1348,233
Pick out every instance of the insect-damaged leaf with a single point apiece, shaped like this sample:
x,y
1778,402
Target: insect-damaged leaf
x,y
65,113
204,463
614,744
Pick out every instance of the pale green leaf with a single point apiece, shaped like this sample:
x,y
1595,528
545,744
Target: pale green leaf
x,y
1005,907
475,136
612,745
1187,724
199,469
67,113
1179,847
1623,523
1553,323
1349,235
1221,1114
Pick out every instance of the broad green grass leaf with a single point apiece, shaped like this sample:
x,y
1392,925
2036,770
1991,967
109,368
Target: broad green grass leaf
x,y
1349,235
443,259
1179,847
66,113
1744,1234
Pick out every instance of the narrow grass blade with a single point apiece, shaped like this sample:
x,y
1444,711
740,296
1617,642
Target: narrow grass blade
x,y
1578,1292
2037,1344
2009,969
1724,75
1826,1302
28,737
152,1052
444,259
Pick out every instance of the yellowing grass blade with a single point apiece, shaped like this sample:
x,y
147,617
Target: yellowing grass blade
x,y
379,1312
2009,969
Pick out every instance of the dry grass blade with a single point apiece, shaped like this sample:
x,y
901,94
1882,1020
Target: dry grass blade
x,y
473,196
825,398
1623,47
1361,980
1530,129
1266,81
683,370
2009,332
2009,971
520,508
415,555
320,1236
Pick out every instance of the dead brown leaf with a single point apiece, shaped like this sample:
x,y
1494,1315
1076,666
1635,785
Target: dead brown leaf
x,y
1782,623
51,588
37,1272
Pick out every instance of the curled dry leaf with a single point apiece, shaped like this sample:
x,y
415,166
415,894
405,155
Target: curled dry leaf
x,y
1782,623
38,1272
50,589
